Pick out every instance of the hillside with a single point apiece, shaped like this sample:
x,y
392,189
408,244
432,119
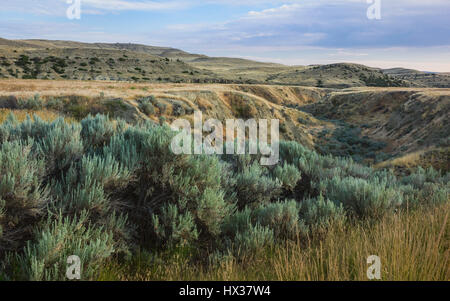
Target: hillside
x,y
44,59
420,78
342,75
369,124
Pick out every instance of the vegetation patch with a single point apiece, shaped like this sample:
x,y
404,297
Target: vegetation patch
x,y
110,192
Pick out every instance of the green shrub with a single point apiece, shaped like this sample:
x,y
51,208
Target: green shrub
x,y
9,102
173,228
288,175
61,145
147,107
282,218
104,170
178,110
34,103
253,241
365,199
96,131
253,187
321,213
55,104
22,195
46,258
433,194
124,150
162,107
212,210
422,176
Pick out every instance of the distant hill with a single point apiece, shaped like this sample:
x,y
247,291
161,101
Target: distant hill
x,y
45,59
340,75
420,78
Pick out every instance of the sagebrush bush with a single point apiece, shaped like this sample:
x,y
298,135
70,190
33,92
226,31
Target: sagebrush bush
x,y
33,103
364,198
146,107
236,222
253,187
173,228
320,213
212,210
61,145
96,131
282,218
46,259
253,240
23,197
423,176
288,175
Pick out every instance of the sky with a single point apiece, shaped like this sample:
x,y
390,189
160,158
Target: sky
x,y
407,33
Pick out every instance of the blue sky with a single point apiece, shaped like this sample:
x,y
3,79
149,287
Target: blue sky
x,y
410,33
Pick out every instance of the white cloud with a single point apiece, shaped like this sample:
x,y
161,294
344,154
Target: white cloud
x,y
135,5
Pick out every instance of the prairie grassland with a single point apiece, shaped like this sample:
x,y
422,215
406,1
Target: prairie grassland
x,y
435,157
45,115
412,245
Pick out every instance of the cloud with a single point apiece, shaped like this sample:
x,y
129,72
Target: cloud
x,y
59,7
117,5
297,31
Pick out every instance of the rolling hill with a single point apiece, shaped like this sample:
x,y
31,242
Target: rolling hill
x,y
44,59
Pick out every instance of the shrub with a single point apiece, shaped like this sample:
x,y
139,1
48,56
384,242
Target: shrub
x,y
173,228
321,213
96,131
55,104
162,107
291,152
365,199
9,102
33,103
236,222
178,110
61,145
253,241
74,199
147,107
104,170
422,176
288,175
116,186
46,259
124,150
253,187
242,106
433,194
212,210
282,218
22,196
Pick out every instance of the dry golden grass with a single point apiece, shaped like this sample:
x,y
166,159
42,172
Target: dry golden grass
x,y
21,115
411,245
431,157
